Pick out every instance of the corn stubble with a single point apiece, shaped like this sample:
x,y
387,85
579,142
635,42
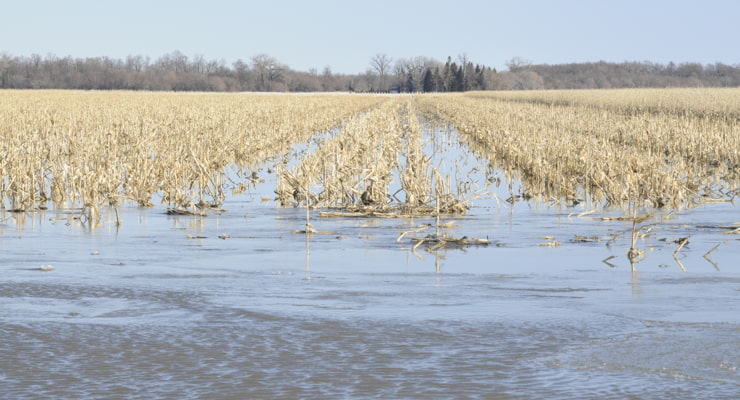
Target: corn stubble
x,y
355,170
88,149
663,148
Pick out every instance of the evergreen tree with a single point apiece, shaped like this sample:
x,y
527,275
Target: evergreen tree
x,y
458,82
428,83
480,80
446,74
410,85
439,84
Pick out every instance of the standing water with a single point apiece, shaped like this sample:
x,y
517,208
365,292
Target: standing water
x,y
238,306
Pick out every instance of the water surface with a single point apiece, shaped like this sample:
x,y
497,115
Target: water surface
x,y
238,306
163,308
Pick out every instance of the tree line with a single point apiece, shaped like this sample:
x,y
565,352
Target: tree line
x,y
177,72
607,75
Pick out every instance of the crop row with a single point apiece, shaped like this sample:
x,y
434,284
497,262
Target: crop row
x,y
608,154
78,148
75,149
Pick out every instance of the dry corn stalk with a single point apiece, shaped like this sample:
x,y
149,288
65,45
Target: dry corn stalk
x,y
667,148
605,146
76,148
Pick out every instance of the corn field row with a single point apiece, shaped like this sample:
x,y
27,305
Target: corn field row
x,y
716,103
609,155
78,148
376,162
75,149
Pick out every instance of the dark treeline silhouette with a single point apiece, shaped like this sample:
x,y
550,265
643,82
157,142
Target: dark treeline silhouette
x,y
449,77
178,72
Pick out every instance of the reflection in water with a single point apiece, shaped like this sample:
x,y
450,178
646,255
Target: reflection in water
x,y
308,256
633,263
707,255
437,258
636,290
678,261
155,316
191,223
607,261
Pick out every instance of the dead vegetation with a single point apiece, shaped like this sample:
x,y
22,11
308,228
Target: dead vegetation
x,y
89,149
368,156
605,146
354,171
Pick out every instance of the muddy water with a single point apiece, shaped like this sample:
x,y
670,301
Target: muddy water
x,y
163,308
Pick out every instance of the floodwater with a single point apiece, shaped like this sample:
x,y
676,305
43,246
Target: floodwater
x,y
237,306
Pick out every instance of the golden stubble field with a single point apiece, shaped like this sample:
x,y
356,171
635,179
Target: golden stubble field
x,y
672,148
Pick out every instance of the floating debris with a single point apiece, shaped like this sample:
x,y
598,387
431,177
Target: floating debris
x,y
224,237
435,241
636,218
585,239
183,211
310,230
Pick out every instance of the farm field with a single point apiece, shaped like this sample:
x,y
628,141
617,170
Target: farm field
x,y
635,155
669,148
528,244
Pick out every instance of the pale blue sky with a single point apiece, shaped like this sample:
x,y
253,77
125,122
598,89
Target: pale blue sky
x,y
345,34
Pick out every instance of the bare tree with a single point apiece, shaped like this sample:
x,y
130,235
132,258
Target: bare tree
x,y
381,64
328,80
528,80
136,63
175,71
517,63
5,64
198,64
410,71
269,72
242,73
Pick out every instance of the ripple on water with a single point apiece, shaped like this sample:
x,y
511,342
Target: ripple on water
x,y
155,315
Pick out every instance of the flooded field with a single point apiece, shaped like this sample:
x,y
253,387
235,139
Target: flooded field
x,y
536,298
236,305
